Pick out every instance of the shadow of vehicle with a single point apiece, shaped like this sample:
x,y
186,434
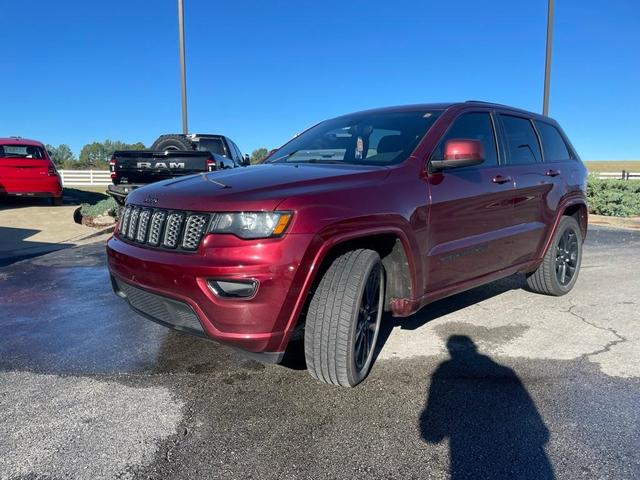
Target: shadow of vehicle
x,y
10,202
75,195
483,409
446,306
294,355
14,245
71,196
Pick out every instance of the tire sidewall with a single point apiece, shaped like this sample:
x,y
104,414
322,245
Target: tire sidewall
x,y
567,223
172,142
354,374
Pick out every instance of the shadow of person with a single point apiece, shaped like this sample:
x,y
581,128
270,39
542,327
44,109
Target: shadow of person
x,y
483,409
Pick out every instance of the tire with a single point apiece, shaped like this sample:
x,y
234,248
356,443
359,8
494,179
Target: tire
x,y
172,142
336,325
565,249
56,201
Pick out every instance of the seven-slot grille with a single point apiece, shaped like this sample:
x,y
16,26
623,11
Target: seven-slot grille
x,y
163,228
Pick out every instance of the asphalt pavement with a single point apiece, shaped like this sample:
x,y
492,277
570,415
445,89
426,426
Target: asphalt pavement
x,y
497,382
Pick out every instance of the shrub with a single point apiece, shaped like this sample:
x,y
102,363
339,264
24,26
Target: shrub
x,y
617,198
103,207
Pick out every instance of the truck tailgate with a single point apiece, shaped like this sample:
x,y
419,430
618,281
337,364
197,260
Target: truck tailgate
x,y
147,167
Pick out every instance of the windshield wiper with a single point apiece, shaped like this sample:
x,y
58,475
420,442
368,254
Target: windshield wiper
x,y
273,160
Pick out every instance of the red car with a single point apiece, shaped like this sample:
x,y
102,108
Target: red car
x,y
26,170
383,210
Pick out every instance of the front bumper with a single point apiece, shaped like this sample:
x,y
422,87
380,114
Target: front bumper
x,y
262,323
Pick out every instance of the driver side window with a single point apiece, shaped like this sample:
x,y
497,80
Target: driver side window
x,y
472,126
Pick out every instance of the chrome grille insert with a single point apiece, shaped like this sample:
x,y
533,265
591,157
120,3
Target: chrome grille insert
x,y
172,230
133,223
157,222
143,224
193,230
124,223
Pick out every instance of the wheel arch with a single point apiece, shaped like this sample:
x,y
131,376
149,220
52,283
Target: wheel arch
x,y
393,249
575,207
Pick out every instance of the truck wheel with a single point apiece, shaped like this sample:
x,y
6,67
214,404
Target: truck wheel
x,y
558,272
171,142
344,317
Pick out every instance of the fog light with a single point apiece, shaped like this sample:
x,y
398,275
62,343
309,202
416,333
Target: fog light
x,y
233,289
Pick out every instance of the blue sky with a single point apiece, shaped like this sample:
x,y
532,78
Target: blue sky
x,y
260,71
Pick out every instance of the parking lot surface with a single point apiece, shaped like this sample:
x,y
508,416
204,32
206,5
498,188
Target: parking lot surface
x,y
497,382
31,226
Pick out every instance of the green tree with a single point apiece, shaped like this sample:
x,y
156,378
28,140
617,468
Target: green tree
x,y
61,155
98,154
258,155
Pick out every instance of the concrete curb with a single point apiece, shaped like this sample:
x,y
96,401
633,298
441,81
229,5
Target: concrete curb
x,y
627,223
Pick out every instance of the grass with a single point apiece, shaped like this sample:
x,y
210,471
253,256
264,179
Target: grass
x,y
613,165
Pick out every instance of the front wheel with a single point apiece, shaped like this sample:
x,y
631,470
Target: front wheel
x,y
558,272
343,320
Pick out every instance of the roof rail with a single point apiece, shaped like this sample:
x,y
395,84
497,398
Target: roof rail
x,y
16,137
488,103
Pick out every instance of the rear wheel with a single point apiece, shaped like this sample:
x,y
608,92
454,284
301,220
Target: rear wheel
x,y
558,272
172,142
343,320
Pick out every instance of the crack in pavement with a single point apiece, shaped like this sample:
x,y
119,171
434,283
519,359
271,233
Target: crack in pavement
x,y
609,345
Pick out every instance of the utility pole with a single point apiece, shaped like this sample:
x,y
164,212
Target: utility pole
x,y
547,64
183,69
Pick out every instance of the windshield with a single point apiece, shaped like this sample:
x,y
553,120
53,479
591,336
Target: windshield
x,y
21,151
365,139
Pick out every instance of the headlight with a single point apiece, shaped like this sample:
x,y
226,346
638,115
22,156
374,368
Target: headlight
x,y
251,224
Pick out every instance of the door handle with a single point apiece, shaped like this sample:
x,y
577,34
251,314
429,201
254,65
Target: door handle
x,y
552,173
501,179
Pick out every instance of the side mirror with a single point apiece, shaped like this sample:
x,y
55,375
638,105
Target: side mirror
x,y
460,152
246,161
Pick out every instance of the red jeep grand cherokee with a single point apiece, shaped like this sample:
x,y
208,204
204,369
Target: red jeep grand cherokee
x,y
383,210
26,170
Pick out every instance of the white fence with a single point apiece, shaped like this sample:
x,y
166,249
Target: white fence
x,y
624,175
78,178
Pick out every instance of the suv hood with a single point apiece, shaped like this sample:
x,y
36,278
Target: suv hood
x,y
258,187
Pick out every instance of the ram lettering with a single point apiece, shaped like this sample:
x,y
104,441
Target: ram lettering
x,y
161,165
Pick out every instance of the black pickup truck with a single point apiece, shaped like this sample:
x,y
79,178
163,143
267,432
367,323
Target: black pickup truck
x,y
171,156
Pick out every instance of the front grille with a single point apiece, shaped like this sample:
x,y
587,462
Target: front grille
x,y
165,310
168,229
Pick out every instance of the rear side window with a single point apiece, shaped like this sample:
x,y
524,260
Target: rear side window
x,y
21,151
472,126
553,146
521,140
213,145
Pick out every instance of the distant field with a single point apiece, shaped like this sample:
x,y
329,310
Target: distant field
x,y
613,165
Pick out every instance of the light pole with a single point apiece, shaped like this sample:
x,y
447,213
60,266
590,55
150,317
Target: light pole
x,y
183,69
547,63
